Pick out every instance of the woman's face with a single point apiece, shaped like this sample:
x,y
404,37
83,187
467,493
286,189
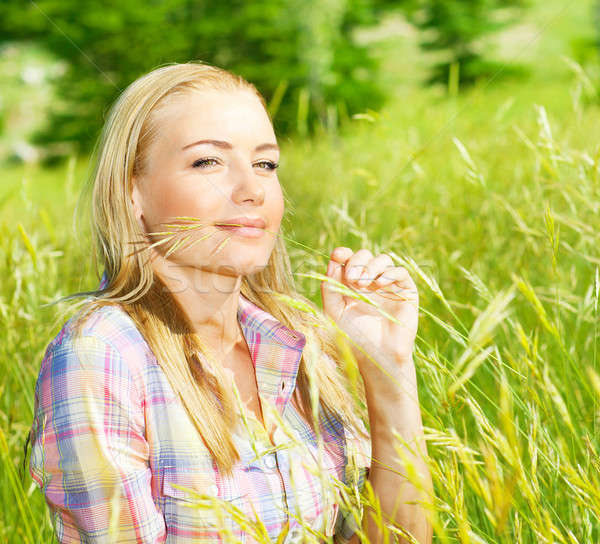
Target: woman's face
x,y
231,177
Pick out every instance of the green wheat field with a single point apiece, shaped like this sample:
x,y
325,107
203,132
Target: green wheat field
x,y
491,199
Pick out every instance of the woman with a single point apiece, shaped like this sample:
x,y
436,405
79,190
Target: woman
x,y
180,404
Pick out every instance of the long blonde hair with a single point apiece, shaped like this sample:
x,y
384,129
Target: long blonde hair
x,y
120,154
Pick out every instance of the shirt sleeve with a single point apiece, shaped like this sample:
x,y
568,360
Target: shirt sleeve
x,y
89,452
356,473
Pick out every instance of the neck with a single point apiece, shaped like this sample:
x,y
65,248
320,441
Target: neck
x,y
210,301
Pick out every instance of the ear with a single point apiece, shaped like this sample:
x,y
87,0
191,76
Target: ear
x,y
137,202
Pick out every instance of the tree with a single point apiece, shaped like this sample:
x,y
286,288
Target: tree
x,y
299,53
457,27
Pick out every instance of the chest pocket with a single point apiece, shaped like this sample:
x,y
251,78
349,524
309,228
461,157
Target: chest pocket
x,y
199,505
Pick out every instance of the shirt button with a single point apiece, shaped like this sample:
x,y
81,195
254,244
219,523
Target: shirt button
x,y
294,534
270,461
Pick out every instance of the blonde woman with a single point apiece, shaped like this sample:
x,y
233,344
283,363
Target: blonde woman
x,y
187,401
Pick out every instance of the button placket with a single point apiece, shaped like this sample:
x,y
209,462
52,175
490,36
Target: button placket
x,y
272,464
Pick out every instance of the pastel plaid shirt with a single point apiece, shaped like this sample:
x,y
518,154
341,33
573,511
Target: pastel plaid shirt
x,y
119,460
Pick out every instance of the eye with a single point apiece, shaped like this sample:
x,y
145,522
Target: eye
x,y
200,162
271,165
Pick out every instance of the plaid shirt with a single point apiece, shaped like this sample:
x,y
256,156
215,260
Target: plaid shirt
x,y
119,460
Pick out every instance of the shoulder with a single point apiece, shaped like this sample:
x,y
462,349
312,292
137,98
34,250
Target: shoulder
x,y
107,323
104,337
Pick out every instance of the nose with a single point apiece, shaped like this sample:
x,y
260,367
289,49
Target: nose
x,y
248,187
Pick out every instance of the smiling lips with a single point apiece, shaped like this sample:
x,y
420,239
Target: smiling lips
x,y
249,227
255,222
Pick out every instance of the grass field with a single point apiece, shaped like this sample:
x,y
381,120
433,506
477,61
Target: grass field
x,y
492,200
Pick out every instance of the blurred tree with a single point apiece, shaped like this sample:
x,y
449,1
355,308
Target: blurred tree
x,y
456,27
299,53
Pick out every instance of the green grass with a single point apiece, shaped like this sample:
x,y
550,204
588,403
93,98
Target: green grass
x,y
491,199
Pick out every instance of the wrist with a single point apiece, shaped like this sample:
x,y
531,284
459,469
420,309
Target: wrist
x,y
391,399
387,380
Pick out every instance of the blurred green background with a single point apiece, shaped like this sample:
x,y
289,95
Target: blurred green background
x,y
461,137
316,62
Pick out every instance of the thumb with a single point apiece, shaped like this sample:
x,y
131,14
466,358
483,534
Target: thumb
x,y
333,301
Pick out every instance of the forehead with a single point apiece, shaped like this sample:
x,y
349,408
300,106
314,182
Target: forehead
x,y
236,116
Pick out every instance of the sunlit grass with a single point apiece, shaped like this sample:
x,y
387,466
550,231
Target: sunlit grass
x,y
492,204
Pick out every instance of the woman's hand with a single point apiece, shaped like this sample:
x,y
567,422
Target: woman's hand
x,y
390,344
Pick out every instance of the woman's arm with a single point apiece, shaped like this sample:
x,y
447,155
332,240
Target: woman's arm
x,y
383,322
397,408
89,451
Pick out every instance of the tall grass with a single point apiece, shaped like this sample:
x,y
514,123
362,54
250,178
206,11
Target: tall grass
x,y
495,213
491,200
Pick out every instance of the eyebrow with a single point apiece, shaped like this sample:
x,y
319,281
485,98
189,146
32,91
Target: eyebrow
x,y
227,145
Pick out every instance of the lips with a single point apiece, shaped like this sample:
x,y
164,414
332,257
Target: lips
x,y
255,222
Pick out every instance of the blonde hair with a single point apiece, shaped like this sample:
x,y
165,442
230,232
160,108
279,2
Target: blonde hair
x,y
120,154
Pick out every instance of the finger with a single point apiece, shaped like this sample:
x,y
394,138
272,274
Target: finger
x,y
374,268
333,301
397,282
398,295
355,266
395,274
341,254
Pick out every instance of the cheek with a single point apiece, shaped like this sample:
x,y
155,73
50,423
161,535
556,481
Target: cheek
x,y
174,200
278,205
